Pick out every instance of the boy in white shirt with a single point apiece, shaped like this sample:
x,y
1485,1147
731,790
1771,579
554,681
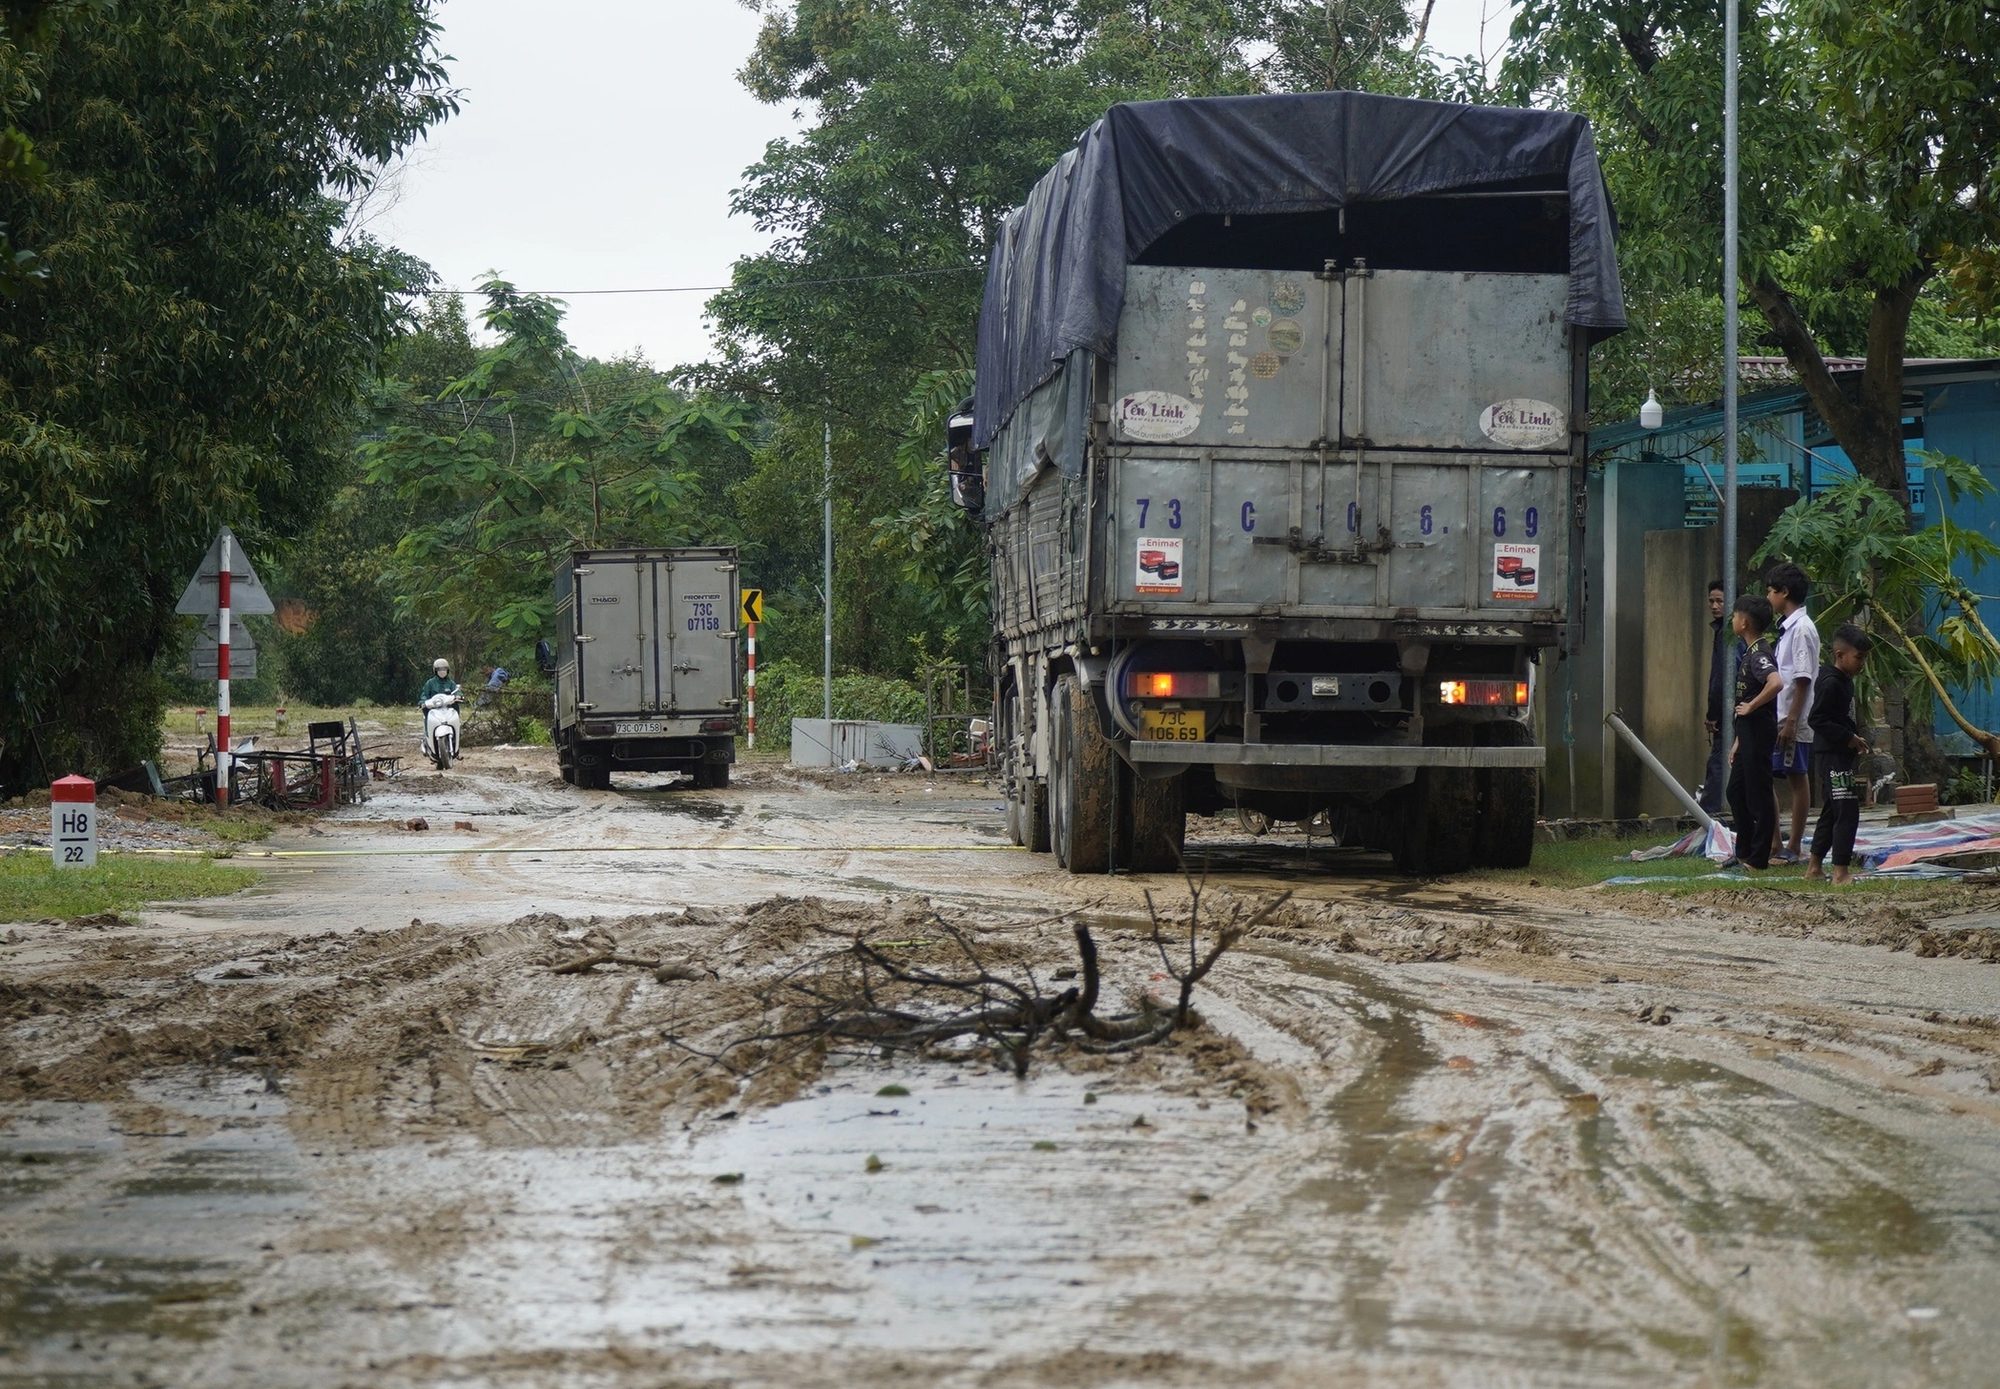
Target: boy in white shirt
x,y
1798,668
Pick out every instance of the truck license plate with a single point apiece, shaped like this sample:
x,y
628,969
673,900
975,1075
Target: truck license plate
x,y
1173,725
628,728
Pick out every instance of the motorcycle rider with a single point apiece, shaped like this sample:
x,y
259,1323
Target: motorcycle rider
x,y
440,681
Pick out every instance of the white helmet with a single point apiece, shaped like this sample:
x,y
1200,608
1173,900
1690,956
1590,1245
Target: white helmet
x,y
440,665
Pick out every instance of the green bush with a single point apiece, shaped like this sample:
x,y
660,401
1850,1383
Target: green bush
x,y
787,690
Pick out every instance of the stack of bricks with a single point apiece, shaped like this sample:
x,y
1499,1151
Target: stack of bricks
x,y
1916,800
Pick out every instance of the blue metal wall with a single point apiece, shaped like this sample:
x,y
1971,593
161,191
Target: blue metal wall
x,y
1963,419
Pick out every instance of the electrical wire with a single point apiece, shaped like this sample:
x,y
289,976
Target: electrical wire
x,y
717,289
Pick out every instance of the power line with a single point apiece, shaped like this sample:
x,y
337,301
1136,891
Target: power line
x,y
717,289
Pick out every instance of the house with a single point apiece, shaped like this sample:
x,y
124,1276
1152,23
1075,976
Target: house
x,y
1654,542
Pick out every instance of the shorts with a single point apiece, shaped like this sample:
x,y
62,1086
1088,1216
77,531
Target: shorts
x,y
1797,762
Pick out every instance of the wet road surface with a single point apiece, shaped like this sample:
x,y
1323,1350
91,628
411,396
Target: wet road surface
x,y
1441,1148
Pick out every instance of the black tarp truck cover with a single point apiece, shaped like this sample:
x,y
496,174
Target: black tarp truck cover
x,y
1056,280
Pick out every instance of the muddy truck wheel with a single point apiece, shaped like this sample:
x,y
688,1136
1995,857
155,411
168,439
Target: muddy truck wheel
x,y
1155,823
1035,816
1440,819
1010,768
1509,800
1082,796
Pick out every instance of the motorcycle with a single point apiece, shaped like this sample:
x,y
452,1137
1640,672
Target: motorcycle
x,y
441,729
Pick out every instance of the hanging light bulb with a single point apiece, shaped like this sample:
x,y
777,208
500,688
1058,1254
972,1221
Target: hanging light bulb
x,y
1651,415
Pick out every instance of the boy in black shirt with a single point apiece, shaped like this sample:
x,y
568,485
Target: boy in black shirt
x,y
1837,742
1753,803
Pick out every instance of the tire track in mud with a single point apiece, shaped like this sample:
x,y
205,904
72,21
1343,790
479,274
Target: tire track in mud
x,y
1605,1209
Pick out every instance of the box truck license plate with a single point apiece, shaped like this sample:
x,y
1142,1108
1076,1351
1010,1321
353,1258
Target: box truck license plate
x,y
623,729
1174,725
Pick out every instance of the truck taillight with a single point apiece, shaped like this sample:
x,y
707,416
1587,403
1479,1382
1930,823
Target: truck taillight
x,y
1482,692
1173,684
718,725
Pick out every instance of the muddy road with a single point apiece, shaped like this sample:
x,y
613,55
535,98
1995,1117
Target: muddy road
x,y
350,1128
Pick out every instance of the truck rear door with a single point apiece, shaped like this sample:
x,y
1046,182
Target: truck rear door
x,y
614,599
699,596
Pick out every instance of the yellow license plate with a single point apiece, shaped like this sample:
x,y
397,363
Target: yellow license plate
x,y
1173,725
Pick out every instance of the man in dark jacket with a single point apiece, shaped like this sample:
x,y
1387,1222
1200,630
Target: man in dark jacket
x,y
1837,745
1718,659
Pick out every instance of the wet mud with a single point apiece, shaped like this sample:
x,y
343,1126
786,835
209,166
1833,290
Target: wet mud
x,y
350,1128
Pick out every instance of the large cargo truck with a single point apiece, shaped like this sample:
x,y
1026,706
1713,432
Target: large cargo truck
x,y
646,674
1278,443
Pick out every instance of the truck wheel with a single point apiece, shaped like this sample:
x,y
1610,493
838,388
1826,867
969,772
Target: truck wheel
x,y
594,775
1081,801
1509,801
1035,816
716,778
1440,820
1156,812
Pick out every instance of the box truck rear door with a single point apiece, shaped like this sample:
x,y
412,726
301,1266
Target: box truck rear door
x,y
613,602
699,596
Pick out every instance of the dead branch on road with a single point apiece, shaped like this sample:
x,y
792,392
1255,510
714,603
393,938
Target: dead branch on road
x,y
866,997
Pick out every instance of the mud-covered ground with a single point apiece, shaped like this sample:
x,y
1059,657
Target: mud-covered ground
x,y
353,1128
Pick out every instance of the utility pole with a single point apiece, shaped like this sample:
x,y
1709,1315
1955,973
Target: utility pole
x,y
1729,369
828,579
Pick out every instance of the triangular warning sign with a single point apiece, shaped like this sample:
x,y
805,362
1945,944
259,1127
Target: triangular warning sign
x,y
246,590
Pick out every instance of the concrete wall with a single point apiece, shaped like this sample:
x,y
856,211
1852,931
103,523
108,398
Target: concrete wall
x,y
1679,564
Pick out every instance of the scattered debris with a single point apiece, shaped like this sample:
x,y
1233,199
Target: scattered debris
x,y
417,822
1658,1014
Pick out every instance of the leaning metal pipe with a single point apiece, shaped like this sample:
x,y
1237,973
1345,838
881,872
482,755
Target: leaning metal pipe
x,y
1658,769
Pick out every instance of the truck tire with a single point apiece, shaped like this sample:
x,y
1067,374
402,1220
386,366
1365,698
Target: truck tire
x,y
1035,816
594,775
1009,769
1441,817
717,778
1156,820
1082,794
1509,802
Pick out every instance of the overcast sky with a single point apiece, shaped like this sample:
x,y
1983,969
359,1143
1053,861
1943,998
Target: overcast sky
x,y
597,149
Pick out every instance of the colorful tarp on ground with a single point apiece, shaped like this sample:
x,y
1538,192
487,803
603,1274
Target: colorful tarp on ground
x,y
1878,847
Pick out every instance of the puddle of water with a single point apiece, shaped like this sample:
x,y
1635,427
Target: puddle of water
x,y
211,1173
681,803
74,1295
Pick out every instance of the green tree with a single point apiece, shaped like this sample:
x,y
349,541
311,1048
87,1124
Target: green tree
x,y
195,351
1870,135
930,120
533,452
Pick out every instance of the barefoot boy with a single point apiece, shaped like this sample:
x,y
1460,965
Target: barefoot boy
x,y
1837,742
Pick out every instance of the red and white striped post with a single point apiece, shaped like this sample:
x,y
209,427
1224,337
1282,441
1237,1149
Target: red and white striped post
x,y
222,796
750,683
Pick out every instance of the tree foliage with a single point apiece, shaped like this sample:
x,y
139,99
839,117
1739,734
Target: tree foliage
x,y
1870,135
1908,587
194,353
928,120
533,452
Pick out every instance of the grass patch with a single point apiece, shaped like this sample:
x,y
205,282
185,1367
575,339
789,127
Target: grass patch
x,y
31,887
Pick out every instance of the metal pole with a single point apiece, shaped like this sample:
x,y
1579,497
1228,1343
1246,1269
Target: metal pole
x,y
750,683
222,596
1729,368
1658,769
828,580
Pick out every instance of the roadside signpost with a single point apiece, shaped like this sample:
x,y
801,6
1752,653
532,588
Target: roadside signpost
x,y
223,589
753,613
73,822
